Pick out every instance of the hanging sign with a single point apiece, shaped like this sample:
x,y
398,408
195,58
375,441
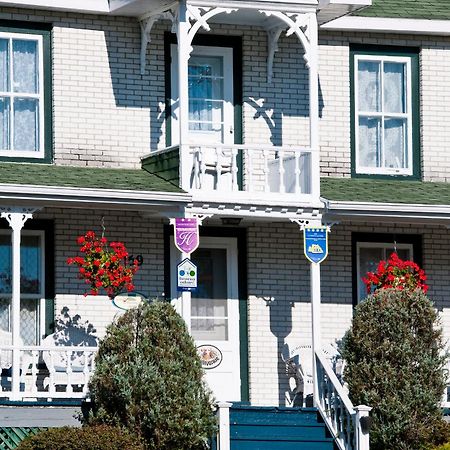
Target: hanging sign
x,y
315,243
210,356
186,275
186,234
128,300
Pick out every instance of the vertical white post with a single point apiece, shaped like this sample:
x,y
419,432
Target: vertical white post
x,y
315,324
186,299
314,107
16,221
223,438
184,50
362,432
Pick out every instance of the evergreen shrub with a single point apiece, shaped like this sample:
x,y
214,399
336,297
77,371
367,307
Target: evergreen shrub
x,y
101,437
148,379
395,361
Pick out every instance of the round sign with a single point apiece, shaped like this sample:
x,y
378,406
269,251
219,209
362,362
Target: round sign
x,y
128,300
210,356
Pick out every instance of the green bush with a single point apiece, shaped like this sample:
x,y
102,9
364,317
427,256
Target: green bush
x,y
101,437
395,364
148,379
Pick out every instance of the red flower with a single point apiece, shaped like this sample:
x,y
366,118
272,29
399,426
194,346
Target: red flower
x,y
396,273
103,266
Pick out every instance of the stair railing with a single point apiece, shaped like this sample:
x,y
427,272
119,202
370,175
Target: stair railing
x,y
348,424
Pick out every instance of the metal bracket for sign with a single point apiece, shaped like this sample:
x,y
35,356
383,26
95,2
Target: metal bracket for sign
x,y
302,223
199,217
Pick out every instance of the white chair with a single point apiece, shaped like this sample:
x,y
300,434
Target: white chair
x,y
68,368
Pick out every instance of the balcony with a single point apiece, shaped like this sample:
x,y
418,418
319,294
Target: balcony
x,y
235,173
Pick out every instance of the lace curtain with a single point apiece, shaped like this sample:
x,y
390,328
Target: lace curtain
x,y
19,116
382,92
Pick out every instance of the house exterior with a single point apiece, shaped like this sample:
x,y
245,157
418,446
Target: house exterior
x,y
255,118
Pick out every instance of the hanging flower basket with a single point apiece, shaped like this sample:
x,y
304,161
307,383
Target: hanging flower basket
x,y
397,274
104,265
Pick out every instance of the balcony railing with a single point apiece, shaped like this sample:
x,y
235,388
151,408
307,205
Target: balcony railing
x,y
47,372
248,171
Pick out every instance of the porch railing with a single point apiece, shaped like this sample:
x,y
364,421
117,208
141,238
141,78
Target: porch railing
x,y
253,169
48,372
347,423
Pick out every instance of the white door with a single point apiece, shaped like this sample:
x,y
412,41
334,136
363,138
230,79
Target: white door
x,y
213,313
210,81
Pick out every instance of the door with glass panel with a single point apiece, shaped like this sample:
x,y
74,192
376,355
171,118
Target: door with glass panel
x,y
369,254
213,314
210,91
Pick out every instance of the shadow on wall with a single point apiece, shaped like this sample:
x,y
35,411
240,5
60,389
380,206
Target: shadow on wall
x,y
72,330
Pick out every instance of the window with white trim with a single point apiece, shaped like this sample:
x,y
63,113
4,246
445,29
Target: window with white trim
x,y
384,114
23,95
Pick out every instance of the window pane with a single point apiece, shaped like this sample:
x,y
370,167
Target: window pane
x,y
369,141
210,329
4,313
28,320
4,123
4,65
369,86
368,262
25,66
26,124
394,86
395,155
5,264
30,265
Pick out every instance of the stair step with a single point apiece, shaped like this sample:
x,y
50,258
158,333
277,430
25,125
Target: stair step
x,y
279,433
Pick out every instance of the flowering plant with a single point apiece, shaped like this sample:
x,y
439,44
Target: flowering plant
x,y
398,274
104,265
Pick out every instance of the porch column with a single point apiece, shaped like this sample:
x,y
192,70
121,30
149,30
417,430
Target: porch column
x,y
314,105
315,324
184,50
16,220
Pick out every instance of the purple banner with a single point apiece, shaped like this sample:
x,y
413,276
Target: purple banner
x,y
186,235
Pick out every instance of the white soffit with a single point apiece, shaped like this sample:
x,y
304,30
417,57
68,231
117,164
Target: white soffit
x,y
390,25
84,6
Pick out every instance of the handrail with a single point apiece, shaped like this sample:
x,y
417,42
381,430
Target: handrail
x,y
343,420
290,148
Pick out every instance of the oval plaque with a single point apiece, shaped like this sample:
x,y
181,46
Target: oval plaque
x,y
210,356
128,300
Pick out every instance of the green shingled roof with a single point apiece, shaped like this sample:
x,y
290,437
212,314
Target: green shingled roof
x,y
385,191
83,177
408,9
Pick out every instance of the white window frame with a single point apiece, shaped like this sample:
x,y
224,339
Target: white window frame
x,y
378,245
40,153
39,296
407,115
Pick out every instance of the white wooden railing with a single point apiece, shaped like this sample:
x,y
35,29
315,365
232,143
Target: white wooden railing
x,y
49,372
258,169
347,423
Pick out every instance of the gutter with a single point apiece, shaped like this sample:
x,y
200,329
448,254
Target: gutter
x,y
389,25
365,210
90,197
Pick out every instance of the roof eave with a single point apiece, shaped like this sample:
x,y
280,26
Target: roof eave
x,y
406,212
75,197
389,25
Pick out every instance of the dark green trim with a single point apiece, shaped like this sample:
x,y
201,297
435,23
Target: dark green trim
x,y
414,239
47,226
241,235
211,40
413,54
43,30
